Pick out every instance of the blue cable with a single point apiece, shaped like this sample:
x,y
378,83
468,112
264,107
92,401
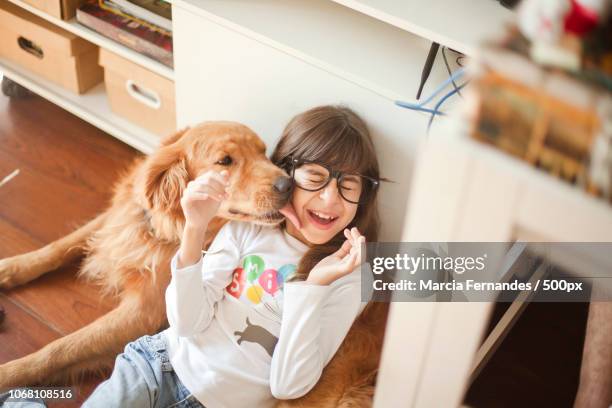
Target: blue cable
x,y
419,106
441,101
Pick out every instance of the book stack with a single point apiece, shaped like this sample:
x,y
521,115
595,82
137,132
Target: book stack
x,y
143,25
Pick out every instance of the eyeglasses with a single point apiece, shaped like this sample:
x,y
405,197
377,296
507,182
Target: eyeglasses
x,y
311,176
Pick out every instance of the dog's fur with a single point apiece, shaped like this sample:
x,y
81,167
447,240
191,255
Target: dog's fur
x,y
128,250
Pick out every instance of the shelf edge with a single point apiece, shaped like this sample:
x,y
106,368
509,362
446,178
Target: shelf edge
x,y
143,145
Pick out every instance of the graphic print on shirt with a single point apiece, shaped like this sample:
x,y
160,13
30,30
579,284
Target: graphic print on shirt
x,y
257,334
253,283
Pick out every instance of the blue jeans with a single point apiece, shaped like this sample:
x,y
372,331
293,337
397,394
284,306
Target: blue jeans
x,y
143,377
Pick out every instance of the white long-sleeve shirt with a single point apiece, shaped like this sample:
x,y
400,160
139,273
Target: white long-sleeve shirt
x,y
239,335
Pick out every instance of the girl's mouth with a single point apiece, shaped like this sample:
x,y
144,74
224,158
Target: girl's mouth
x,y
321,220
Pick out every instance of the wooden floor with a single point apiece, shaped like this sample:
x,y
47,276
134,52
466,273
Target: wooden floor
x,y
67,168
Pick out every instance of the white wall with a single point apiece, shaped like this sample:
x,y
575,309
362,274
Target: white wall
x,y
233,77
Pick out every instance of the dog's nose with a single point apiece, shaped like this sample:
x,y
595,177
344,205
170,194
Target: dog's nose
x,y
283,184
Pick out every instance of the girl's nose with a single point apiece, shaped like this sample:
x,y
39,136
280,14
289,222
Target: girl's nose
x,y
330,193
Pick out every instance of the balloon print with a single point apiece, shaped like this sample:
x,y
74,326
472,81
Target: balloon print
x,y
268,281
285,272
254,266
254,294
238,280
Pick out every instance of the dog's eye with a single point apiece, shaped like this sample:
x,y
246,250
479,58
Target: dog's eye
x,y
226,161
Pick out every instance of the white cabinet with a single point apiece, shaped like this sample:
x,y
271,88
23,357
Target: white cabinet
x,y
431,349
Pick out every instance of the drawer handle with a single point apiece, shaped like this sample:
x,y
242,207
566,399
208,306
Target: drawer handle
x,y
29,47
143,95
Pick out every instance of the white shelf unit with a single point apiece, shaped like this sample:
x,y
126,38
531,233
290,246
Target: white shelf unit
x,y
104,42
544,208
460,25
91,106
549,208
462,191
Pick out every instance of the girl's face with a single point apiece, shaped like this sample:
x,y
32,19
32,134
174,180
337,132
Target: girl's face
x,y
320,215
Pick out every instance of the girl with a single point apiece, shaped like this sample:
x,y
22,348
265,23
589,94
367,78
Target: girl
x,y
246,324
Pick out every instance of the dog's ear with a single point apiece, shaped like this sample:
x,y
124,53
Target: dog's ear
x,y
170,139
166,175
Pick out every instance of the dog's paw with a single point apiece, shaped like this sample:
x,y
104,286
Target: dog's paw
x,y
10,273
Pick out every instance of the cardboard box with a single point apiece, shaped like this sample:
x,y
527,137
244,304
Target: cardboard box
x,y
63,9
139,95
47,50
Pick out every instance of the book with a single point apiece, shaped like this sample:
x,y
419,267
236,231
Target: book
x,y
158,12
127,31
112,7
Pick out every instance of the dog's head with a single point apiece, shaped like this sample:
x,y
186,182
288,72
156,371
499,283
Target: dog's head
x,y
257,188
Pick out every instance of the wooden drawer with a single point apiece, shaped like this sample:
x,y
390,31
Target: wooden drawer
x,y
63,9
47,50
139,95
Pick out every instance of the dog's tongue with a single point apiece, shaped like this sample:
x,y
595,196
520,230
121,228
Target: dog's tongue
x,y
289,212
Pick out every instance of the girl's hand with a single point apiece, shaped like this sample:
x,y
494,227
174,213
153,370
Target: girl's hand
x,y
202,197
340,263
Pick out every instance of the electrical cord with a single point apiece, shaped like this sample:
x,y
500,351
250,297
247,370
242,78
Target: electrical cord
x,y
420,106
442,100
448,69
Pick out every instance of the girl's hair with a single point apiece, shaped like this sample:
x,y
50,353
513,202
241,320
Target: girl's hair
x,y
336,136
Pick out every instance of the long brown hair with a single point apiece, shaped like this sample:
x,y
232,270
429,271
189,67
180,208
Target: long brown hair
x,y
336,136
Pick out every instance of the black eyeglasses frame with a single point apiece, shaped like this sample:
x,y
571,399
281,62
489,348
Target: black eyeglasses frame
x,y
333,174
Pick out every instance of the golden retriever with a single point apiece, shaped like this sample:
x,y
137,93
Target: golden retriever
x,y
128,250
